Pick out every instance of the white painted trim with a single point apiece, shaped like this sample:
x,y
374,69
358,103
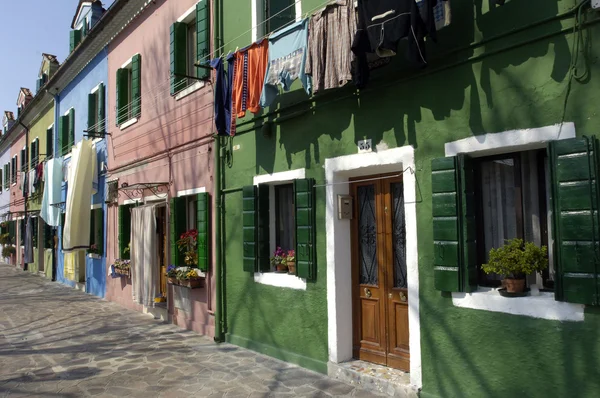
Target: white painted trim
x,y
156,198
298,11
339,278
510,141
132,201
280,280
96,206
185,18
128,123
189,90
192,191
282,177
543,306
128,63
96,88
51,127
67,112
94,255
254,12
257,11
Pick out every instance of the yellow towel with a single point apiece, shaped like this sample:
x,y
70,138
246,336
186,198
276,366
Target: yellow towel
x,y
69,269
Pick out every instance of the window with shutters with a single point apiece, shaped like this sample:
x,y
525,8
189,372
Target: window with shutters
x,y
189,213
66,132
35,153
7,176
96,232
23,165
2,182
34,231
96,113
190,43
129,97
272,15
13,170
279,212
50,142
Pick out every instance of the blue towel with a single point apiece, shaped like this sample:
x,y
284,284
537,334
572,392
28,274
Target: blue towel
x,y
287,57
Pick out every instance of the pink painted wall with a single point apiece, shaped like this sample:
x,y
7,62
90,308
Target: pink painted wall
x,y
171,142
16,195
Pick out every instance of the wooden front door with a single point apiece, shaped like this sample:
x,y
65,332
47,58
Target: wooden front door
x,y
380,294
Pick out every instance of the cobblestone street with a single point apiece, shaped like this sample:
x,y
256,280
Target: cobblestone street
x,y
59,342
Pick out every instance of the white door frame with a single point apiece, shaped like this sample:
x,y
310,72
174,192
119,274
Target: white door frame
x,y
339,272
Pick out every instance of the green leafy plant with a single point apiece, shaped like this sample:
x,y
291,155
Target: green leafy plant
x,y
5,239
7,251
516,259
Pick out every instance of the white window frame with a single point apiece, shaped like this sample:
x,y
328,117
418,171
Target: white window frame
x,y
130,119
258,11
272,278
93,91
543,306
187,18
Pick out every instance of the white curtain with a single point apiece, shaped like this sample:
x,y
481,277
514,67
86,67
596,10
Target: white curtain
x,y
145,276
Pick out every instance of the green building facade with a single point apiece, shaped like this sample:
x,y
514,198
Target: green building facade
x,y
502,85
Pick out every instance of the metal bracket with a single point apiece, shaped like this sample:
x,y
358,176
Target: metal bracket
x,y
95,134
60,205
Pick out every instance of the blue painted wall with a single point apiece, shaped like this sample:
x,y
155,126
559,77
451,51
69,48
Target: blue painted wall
x,y
75,95
5,194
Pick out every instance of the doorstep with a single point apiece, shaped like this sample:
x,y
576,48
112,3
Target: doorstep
x,y
373,377
159,311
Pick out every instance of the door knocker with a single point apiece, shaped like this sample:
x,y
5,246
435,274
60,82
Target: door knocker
x,y
367,293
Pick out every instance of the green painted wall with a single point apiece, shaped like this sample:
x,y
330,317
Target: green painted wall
x,y
504,82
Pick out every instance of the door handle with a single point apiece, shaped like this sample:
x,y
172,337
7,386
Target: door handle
x,y
403,297
367,292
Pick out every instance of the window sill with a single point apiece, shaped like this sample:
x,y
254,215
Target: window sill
x,y
94,256
189,90
280,280
543,306
128,123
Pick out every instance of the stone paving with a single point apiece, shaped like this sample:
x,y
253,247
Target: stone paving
x,y
58,342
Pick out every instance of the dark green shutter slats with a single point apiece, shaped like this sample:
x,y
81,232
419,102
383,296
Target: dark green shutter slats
x,y
124,230
84,29
49,141
75,38
136,85
249,227
91,112
304,202
203,228
177,226
48,237
100,124
122,95
454,251
263,236
574,170
71,127
203,36
178,56
99,230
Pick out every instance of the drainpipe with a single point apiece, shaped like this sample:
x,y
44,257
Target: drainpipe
x,y
218,205
25,192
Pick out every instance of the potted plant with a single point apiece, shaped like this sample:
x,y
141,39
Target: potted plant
x,y
8,251
290,261
187,244
515,260
5,239
172,274
279,260
122,267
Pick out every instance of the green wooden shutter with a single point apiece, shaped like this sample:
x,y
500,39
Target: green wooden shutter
x,y
454,229
99,230
124,230
177,225
75,38
203,228
573,170
178,56
49,142
249,228
91,118
203,37
136,85
84,29
122,95
71,127
306,256
263,236
48,237
100,123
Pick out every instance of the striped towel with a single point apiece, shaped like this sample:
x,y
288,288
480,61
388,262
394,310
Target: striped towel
x,y
441,13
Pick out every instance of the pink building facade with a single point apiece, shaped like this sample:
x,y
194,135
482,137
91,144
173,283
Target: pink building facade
x,y
160,152
17,201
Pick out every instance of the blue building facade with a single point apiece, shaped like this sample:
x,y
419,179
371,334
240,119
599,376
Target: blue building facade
x,y
73,103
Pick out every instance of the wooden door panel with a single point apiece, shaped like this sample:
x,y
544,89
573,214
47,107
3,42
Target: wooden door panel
x,y
371,332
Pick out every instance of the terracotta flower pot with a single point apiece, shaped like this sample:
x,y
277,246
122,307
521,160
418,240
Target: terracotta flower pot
x,y
281,268
194,283
173,281
291,267
514,285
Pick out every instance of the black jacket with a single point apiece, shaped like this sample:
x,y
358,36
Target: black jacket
x,y
382,24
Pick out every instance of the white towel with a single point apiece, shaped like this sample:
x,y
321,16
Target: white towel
x,y
76,235
52,189
145,276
